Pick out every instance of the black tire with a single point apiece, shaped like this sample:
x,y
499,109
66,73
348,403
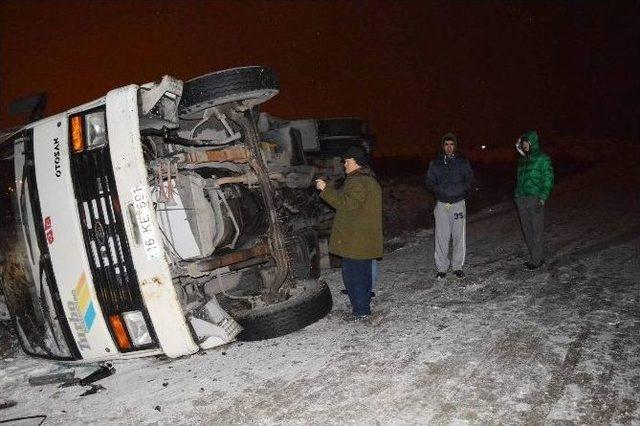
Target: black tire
x,y
250,85
286,317
342,128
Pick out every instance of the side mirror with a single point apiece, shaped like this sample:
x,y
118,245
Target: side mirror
x,y
32,105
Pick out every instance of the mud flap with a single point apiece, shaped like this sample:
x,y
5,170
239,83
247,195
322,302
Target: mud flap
x,y
213,326
304,252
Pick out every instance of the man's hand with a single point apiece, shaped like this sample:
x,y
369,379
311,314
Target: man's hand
x,y
542,202
320,184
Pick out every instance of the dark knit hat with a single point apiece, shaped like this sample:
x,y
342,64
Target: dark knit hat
x,y
358,154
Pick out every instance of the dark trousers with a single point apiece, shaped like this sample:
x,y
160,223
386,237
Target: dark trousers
x,y
531,212
357,278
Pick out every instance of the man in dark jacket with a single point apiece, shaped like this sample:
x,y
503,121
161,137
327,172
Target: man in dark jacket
x,y
356,234
449,177
533,187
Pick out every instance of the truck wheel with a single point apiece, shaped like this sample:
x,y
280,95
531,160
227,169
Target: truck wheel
x,y
301,310
249,85
333,128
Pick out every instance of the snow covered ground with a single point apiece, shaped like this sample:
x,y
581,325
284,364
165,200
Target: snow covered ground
x,y
504,345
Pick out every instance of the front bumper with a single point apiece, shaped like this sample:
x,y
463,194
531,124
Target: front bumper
x,y
155,283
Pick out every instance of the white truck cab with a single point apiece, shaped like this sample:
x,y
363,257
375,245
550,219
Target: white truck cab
x,y
94,249
155,220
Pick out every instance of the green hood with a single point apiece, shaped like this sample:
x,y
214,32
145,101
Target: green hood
x,y
535,172
532,137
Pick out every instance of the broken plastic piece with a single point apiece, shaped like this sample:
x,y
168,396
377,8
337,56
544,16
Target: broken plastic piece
x,y
94,389
7,404
105,370
74,381
49,378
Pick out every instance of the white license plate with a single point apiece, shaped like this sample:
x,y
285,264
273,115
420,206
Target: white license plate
x,y
148,237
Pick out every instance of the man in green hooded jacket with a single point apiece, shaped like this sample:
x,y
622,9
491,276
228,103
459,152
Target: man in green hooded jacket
x,y
533,187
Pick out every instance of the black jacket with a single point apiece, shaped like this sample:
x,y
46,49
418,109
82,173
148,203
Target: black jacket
x,y
449,178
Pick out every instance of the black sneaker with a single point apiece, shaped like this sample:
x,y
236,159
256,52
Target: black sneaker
x,y
441,275
373,294
459,273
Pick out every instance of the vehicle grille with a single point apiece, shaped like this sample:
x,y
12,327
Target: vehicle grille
x,y
114,276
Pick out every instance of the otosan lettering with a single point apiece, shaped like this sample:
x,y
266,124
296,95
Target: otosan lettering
x,y
56,157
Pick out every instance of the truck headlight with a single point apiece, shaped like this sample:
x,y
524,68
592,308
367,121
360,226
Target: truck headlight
x,y
95,125
88,131
137,328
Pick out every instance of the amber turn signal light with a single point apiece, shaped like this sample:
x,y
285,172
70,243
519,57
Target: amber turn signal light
x,y
120,332
77,135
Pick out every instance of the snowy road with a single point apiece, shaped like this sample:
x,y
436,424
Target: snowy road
x,y
508,346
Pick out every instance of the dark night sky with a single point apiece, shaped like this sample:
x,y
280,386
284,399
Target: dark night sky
x,y
486,70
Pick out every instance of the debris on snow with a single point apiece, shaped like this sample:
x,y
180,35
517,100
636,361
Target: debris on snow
x,y
55,376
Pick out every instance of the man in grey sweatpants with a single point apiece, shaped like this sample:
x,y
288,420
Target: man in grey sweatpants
x,y
449,177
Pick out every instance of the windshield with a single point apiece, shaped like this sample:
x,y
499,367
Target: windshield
x,y
25,271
